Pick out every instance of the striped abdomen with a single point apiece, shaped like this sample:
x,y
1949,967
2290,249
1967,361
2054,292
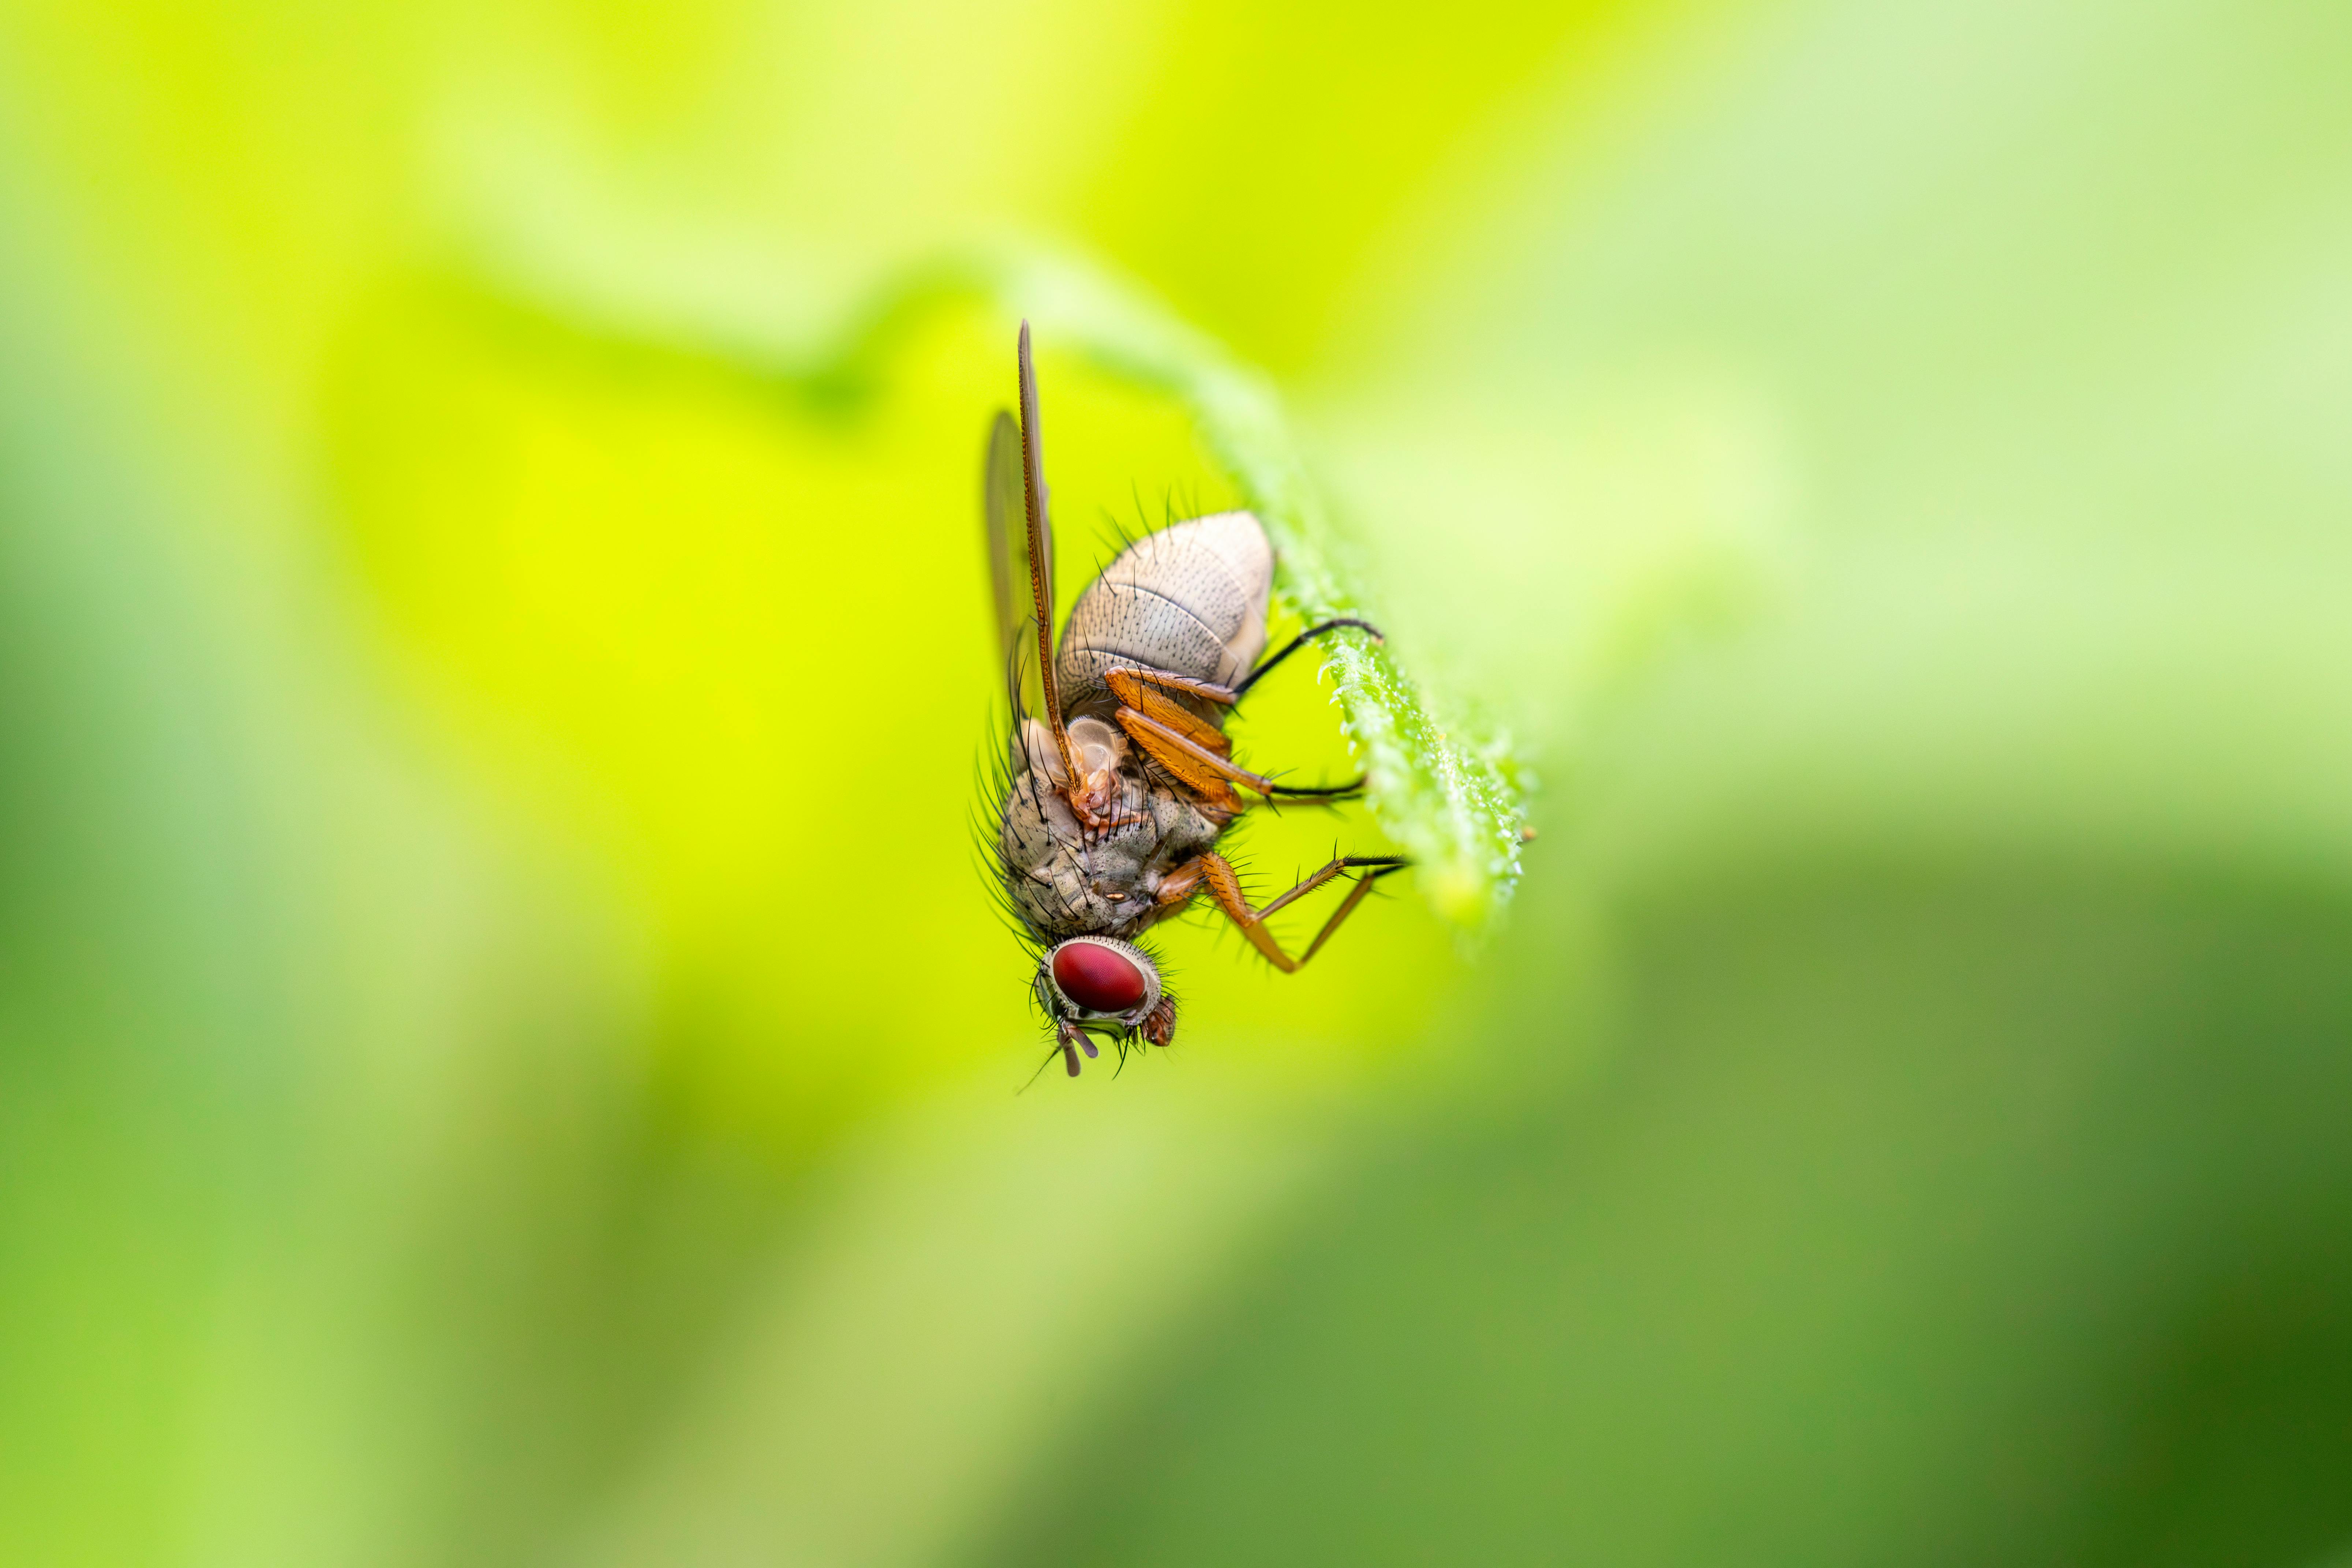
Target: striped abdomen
x,y
1189,600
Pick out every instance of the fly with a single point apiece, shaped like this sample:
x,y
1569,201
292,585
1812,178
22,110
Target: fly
x,y
1121,780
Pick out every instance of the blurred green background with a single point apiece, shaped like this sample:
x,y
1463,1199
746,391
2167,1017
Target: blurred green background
x,y
505,1057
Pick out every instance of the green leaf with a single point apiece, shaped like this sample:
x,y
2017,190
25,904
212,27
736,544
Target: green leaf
x,y
1450,795
1447,790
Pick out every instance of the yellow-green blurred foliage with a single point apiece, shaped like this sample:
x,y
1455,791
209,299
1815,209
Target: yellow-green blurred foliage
x,y
506,1056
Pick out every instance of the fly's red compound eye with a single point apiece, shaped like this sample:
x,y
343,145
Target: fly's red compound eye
x,y
1100,976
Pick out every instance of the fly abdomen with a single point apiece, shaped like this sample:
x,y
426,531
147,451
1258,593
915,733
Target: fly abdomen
x,y
1189,600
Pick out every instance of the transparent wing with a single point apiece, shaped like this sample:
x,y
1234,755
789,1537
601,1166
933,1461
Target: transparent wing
x,y
1022,555
1009,568
1021,572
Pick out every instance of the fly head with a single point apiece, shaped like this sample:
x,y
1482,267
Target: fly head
x,y
1099,984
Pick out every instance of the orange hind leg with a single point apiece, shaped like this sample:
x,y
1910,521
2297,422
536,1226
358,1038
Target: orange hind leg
x,y
1227,888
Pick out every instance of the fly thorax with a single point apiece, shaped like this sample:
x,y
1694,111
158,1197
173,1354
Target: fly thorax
x,y
1064,878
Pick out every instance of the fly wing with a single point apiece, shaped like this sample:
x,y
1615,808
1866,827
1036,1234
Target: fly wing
x,y
1009,568
1021,558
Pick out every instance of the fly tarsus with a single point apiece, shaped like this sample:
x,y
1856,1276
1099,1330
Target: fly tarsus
x,y
1335,623
1322,792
